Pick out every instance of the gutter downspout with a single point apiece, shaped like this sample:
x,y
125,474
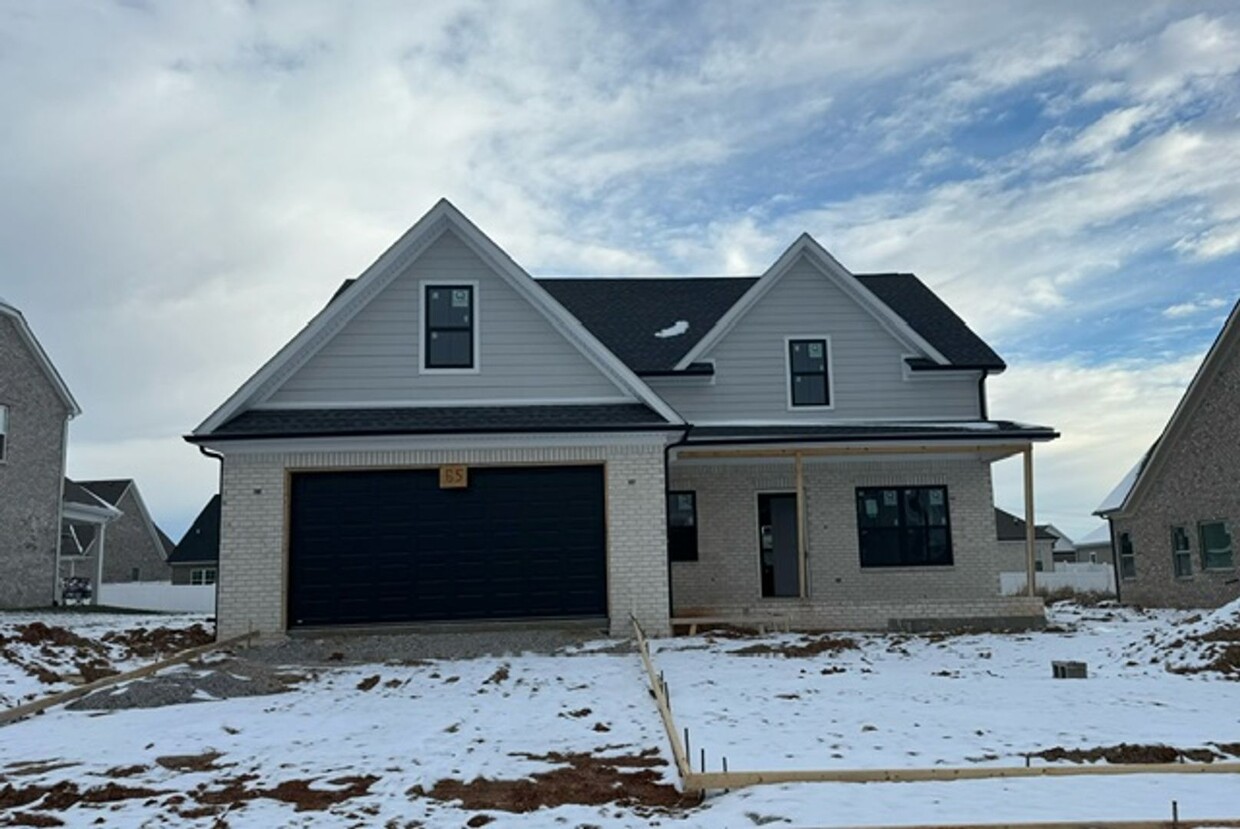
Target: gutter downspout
x,y
1119,599
209,453
57,591
982,408
667,488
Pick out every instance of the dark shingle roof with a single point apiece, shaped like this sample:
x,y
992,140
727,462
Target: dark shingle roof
x,y
993,430
110,491
930,317
201,541
260,423
625,314
75,493
1010,528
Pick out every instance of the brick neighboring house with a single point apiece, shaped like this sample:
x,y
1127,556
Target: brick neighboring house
x,y
134,547
195,560
1175,517
451,440
35,409
1010,532
1095,547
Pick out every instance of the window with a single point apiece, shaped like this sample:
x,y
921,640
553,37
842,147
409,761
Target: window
x,y
1215,545
1181,556
4,432
135,574
205,575
809,383
449,324
682,541
1127,558
904,526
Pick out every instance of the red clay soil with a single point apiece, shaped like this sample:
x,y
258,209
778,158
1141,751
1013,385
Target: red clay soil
x,y
37,633
1128,753
297,792
583,780
809,646
146,643
65,794
32,819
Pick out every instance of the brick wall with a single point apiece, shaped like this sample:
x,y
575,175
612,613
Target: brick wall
x,y
1199,481
31,476
726,578
252,579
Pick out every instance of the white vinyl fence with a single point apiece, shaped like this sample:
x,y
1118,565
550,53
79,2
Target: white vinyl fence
x,y
1080,578
160,595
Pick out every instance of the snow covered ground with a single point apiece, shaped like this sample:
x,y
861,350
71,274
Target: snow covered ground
x,y
395,745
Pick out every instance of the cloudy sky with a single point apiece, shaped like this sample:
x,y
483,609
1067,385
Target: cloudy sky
x,y
182,185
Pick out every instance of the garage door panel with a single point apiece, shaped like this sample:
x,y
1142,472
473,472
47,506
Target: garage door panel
x,y
391,546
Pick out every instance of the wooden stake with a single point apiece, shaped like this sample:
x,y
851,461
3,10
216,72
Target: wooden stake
x,y
679,753
73,693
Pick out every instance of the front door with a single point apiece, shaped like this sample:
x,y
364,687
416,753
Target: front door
x,y
777,534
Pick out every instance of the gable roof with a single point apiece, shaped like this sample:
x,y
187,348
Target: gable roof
x,y
1010,528
58,383
80,504
627,313
201,541
110,491
386,269
1125,496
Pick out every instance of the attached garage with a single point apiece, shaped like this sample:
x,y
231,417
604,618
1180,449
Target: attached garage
x,y
391,546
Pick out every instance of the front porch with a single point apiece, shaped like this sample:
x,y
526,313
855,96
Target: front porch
x,y
821,536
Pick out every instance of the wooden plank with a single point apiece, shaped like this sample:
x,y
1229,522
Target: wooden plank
x,y
36,706
1030,530
740,779
665,710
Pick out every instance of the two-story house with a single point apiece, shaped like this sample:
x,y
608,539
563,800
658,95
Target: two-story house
x,y
35,409
451,440
132,548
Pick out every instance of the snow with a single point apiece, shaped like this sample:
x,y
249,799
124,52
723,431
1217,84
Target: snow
x,y
1116,498
674,330
1099,535
895,701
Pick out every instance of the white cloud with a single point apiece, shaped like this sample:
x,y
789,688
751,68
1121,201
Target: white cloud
x,y
1188,309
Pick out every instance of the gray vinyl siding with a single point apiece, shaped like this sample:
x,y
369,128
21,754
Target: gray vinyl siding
x,y
375,357
867,363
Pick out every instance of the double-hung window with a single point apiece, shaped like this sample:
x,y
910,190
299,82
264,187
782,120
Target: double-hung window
x,y
202,575
682,538
904,526
1127,557
449,327
1181,555
1215,545
809,372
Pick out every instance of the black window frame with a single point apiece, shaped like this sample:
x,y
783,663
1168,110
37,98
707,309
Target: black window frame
x,y
1181,557
431,329
912,540
1127,557
794,374
682,540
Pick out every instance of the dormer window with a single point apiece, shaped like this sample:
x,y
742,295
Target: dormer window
x,y
809,372
449,327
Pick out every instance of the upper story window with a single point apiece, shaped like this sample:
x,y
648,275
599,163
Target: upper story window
x,y
809,372
4,433
450,332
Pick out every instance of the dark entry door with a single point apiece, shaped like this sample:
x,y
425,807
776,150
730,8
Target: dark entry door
x,y
777,534
387,546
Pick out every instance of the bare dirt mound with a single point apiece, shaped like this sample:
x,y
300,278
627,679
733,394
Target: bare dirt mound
x,y
1130,753
1208,644
583,779
808,646
146,643
300,793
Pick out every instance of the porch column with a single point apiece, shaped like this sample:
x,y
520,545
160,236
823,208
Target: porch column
x,y
94,597
802,567
1030,568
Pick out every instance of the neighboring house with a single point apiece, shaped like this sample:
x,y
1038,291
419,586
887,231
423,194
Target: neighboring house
x,y
1095,548
1010,531
450,440
196,558
133,547
1064,549
1176,515
35,409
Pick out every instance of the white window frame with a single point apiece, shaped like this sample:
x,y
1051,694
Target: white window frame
x,y
201,574
4,433
788,341
423,285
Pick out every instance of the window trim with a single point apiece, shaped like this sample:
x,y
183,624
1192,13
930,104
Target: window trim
x,y
4,433
423,352
829,367
1131,555
215,575
1177,553
695,554
1231,548
947,525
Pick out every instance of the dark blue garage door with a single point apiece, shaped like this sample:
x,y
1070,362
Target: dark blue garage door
x,y
391,546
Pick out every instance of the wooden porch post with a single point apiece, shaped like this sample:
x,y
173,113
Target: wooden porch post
x,y
103,529
1030,568
801,562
